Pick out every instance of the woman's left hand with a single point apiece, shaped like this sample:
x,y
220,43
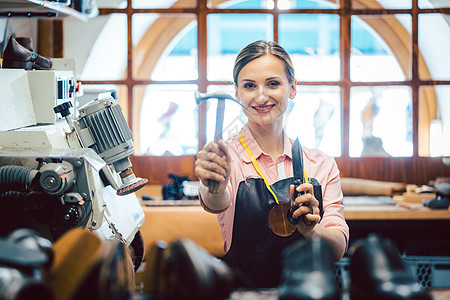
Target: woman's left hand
x,y
305,202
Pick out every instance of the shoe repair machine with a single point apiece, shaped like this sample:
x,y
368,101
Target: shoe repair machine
x,y
58,174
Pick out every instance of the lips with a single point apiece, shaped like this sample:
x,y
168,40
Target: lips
x,y
263,109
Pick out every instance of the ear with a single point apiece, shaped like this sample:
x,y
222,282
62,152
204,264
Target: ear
x,y
236,94
293,89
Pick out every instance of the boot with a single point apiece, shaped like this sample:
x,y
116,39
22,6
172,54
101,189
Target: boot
x,y
27,42
308,272
17,56
377,272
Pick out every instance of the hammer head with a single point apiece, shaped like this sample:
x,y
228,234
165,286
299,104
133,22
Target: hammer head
x,y
199,97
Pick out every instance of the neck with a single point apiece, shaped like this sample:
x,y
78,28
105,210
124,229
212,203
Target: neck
x,y
269,138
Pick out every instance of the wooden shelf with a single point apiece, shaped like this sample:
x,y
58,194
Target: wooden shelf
x,y
38,8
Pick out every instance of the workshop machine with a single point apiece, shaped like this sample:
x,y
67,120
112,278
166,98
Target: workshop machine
x,y
69,169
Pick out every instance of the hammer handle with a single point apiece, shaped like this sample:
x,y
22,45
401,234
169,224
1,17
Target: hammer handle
x,y
213,186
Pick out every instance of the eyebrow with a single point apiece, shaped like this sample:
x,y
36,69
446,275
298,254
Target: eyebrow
x,y
267,79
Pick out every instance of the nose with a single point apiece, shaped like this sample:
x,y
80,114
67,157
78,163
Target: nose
x,y
262,96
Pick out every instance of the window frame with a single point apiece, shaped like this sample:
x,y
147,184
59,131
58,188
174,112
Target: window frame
x,y
422,169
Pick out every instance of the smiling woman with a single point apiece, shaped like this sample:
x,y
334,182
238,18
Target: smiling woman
x,y
263,154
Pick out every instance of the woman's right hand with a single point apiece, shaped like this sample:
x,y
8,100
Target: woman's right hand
x,y
213,162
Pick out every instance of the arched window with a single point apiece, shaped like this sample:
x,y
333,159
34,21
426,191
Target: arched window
x,y
370,82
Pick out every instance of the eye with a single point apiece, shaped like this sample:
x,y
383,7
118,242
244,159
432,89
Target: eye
x,y
273,83
249,85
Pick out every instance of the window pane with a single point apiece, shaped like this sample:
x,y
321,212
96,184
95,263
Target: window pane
x,y
164,3
313,43
101,54
376,4
380,121
314,117
434,120
380,49
168,120
238,4
433,4
165,47
234,118
315,4
228,34
434,45
111,3
270,4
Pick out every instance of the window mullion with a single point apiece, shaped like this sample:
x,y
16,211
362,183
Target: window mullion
x,y
345,47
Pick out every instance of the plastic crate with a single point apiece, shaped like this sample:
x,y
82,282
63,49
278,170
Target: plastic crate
x,y
432,272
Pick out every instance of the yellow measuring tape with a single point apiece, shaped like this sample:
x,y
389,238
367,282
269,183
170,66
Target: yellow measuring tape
x,y
255,164
258,169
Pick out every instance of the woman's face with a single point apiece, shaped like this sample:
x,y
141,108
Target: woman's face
x,y
263,87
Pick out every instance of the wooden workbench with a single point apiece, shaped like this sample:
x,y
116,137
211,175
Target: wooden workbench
x,y
405,211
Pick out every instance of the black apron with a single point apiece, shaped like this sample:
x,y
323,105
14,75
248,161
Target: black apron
x,y
255,252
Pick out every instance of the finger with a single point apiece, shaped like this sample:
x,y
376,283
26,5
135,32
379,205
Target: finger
x,y
204,175
313,218
216,148
211,166
227,157
292,193
305,187
304,199
213,157
302,210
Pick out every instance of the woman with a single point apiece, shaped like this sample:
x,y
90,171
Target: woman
x,y
264,82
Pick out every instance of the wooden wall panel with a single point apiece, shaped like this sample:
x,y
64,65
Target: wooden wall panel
x,y
157,168
409,170
402,169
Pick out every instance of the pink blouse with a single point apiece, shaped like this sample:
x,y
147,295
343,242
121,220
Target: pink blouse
x,y
316,163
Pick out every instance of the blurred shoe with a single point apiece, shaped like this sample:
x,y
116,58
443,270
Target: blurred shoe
x,y
377,272
25,257
17,56
89,268
153,261
308,272
188,271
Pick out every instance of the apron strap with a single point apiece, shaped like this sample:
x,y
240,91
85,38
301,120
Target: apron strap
x,y
255,164
258,169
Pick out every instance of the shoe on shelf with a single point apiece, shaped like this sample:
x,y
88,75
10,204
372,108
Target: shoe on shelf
x,y
17,56
308,272
377,272
27,42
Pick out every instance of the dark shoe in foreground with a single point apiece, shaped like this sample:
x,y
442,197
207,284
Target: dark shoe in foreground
x,y
308,271
377,272
183,270
25,257
17,56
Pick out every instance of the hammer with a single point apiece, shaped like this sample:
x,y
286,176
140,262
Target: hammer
x,y
221,97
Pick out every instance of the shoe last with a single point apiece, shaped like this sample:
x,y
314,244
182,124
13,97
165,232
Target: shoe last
x,y
27,42
377,272
17,56
308,271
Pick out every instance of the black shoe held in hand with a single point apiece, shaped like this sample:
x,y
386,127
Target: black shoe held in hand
x,y
17,56
377,272
308,272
